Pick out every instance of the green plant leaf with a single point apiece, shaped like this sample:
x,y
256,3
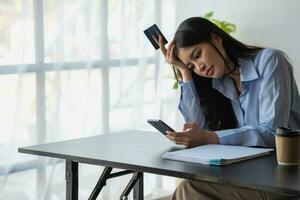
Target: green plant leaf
x,y
224,25
175,85
208,15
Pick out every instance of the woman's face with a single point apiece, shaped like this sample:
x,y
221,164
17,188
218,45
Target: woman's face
x,y
203,59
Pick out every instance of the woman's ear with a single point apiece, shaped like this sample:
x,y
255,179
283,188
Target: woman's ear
x,y
216,40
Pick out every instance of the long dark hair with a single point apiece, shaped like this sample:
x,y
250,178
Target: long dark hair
x,y
217,108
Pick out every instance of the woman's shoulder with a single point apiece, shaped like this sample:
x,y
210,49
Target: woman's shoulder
x,y
269,59
269,53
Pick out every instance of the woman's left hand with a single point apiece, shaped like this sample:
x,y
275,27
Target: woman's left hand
x,y
193,136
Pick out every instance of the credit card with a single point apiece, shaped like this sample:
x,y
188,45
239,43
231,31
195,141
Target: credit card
x,y
152,34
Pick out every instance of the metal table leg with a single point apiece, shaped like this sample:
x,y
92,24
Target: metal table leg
x,y
106,174
101,183
135,183
138,190
71,180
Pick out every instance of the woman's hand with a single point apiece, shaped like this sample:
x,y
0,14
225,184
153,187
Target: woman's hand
x,y
193,136
169,57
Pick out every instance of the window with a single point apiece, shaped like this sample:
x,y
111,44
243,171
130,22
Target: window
x,y
71,69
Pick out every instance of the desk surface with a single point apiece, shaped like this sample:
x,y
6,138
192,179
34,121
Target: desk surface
x,y
141,151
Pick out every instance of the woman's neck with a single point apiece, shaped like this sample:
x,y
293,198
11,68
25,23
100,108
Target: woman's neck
x,y
237,82
236,77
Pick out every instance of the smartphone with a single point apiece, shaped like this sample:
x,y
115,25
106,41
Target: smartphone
x,y
160,125
153,34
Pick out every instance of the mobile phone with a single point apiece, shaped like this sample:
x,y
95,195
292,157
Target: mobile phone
x,y
153,34
160,125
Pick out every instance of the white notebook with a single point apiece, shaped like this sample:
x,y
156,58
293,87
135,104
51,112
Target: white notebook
x,y
215,154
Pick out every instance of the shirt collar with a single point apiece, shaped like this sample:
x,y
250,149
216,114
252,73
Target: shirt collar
x,y
247,70
226,86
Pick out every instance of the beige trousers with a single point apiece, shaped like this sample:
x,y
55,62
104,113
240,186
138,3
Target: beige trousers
x,y
196,190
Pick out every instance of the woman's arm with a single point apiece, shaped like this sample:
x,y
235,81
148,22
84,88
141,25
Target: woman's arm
x,y
189,104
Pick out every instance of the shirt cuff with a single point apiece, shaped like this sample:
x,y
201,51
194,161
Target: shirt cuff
x,y
236,136
225,136
247,136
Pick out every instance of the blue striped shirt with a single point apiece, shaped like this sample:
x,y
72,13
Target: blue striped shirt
x,y
269,99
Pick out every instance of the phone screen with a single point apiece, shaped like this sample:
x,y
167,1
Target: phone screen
x,y
160,125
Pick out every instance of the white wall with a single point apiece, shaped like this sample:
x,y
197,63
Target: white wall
x,y
269,23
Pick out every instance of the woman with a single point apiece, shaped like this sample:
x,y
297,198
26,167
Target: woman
x,y
231,93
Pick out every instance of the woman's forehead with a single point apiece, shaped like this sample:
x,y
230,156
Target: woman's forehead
x,y
185,53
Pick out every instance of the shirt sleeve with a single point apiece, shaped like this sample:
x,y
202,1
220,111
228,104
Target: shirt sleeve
x,y
274,106
189,104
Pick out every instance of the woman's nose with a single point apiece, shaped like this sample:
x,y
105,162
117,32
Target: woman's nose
x,y
202,67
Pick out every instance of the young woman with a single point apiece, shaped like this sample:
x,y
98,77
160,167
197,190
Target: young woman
x,y
231,93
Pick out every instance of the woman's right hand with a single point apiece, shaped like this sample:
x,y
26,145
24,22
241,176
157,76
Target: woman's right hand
x,y
169,57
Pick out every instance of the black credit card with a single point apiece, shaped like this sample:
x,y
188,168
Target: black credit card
x,y
152,34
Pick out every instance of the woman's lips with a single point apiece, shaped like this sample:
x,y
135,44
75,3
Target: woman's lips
x,y
210,71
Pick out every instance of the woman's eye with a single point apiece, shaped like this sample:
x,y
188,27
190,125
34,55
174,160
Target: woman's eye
x,y
197,54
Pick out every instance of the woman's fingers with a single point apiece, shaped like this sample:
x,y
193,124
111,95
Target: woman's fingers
x,y
170,46
188,125
179,140
172,58
169,53
154,38
161,46
178,136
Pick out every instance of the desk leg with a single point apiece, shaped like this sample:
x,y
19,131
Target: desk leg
x,y
135,183
71,180
138,190
101,183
